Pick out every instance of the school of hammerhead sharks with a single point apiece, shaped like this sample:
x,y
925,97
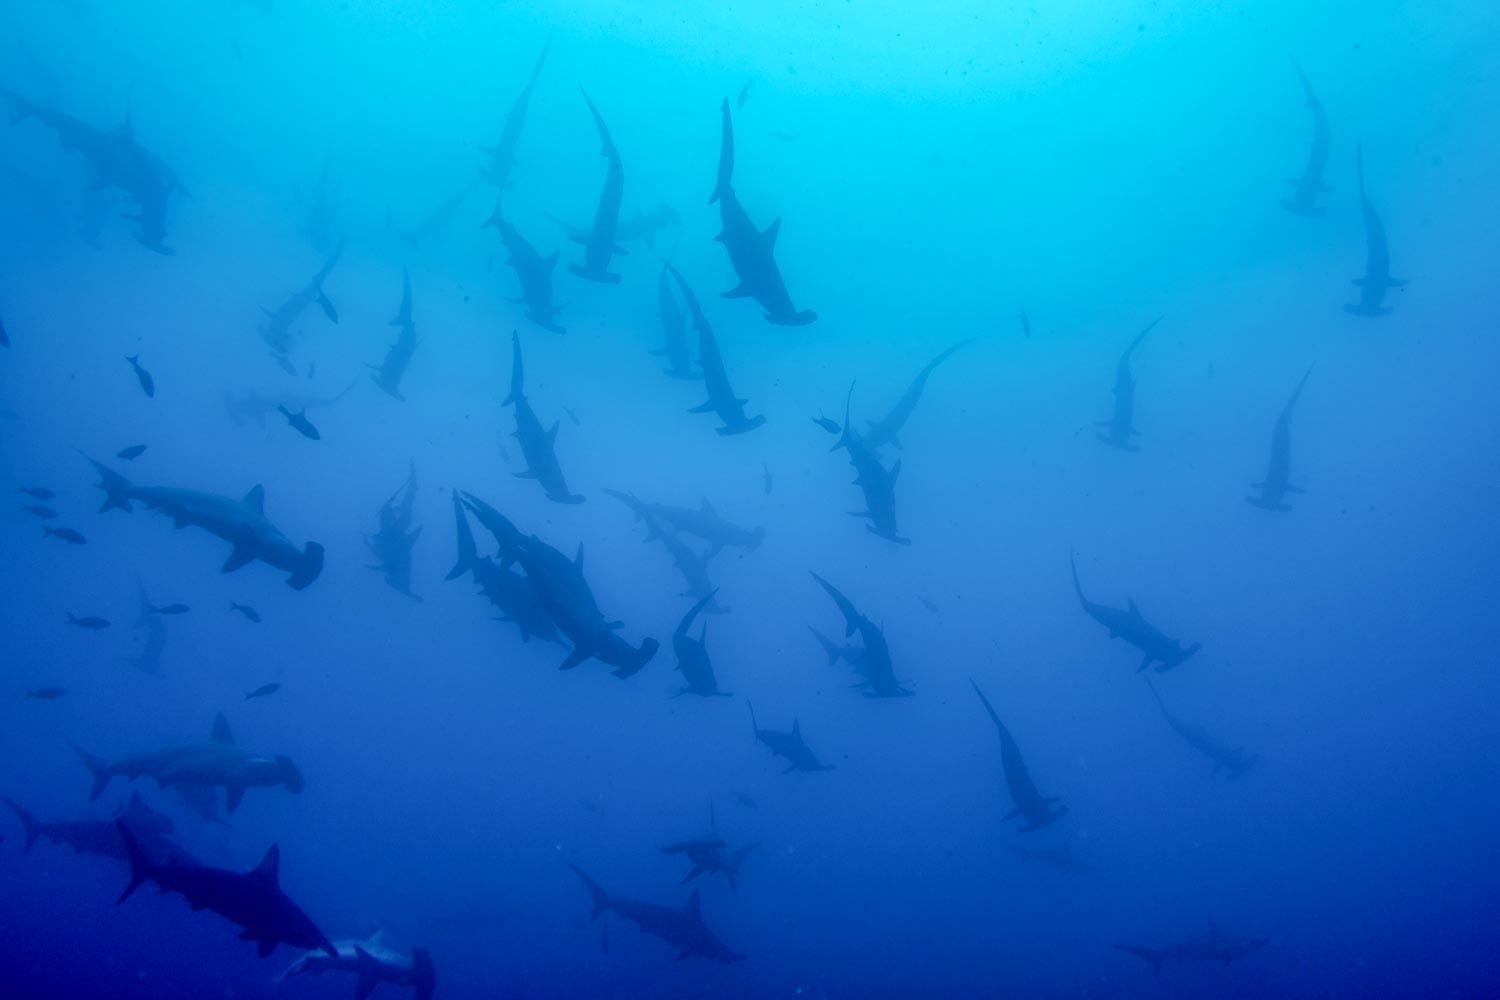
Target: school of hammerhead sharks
x,y
534,584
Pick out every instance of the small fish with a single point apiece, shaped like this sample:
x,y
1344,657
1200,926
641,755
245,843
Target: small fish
x,y
572,416
263,690
170,609
46,693
744,800
744,94
927,604
40,492
88,621
300,423
132,453
312,368
66,534
1025,325
285,363
828,425
148,384
40,510
765,471
246,610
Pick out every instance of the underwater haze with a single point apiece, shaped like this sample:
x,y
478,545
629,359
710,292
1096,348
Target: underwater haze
x,y
781,499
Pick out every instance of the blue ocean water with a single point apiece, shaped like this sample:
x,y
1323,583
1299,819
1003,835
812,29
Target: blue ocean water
x,y
1250,753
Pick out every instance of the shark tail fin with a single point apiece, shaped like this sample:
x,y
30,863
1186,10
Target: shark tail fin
x,y
467,555
98,770
309,566
115,486
596,892
140,866
829,646
29,823
733,863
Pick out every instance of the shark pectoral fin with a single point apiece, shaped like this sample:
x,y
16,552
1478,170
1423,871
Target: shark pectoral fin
x,y
241,555
772,231
707,407
256,499
1145,662
232,796
740,291
579,654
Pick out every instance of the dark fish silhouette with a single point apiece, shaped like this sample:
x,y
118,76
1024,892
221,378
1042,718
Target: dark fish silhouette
x,y
676,348
692,656
148,384
721,397
1120,427
1277,484
92,622
394,537
875,481
246,610
1213,946
533,272
49,693
503,153
602,246
99,837
40,510
263,690
752,253
132,453
388,373
1377,280
539,446
66,534
298,421
1129,624
373,964
684,929
252,899
1232,760
790,745
170,609
39,492
1304,199
883,431
242,523
1030,805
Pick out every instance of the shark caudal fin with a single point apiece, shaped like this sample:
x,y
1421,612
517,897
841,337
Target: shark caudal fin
x,y
140,867
467,553
29,823
115,486
733,863
830,648
98,770
638,660
309,566
601,898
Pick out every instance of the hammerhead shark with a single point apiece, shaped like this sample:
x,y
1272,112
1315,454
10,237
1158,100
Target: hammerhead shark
x,y
218,763
692,654
875,481
674,329
1212,946
1310,185
600,247
509,591
721,397
394,537
872,661
1120,427
242,523
702,521
533,273
388,373
752,253
1232,760
683,929
1277,484
883,431
252,899
1031,805
1129,624
372,963
537,445
503,153
276,331
1377,280
790,745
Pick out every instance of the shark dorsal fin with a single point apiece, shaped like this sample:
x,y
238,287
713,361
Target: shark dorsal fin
x,y
578,559
374,940
705,506
797,728
256,499
270,865
694,909
1135,612
772,231
221,733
